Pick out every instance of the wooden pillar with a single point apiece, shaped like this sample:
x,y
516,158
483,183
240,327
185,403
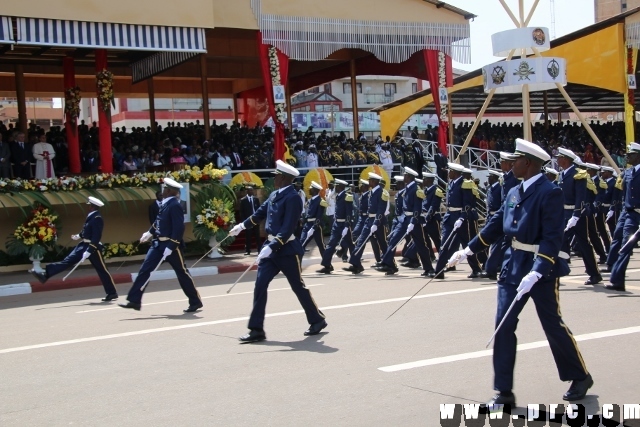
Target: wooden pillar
x,y
104,120
205,96
71,123
235,107
22,100
354,100
152,105
289,117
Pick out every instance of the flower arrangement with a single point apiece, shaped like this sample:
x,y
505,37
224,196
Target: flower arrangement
x,y
118,249
274,68
72,103
36,235
214,217
442,82
104,81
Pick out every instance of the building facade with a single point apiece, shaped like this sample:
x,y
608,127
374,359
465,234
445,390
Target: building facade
x,y
605,9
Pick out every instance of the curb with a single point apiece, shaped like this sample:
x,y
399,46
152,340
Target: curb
x,y
90,281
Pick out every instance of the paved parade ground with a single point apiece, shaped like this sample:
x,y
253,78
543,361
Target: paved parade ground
x,y
67,359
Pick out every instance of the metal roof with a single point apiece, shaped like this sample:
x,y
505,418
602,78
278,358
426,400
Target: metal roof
x,y
441,4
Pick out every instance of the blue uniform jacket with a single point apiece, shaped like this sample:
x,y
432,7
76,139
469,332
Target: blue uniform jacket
x,y
314,209
364,204
282,210
92,230
459,197
603,188
412,202
344,205
377,206
574,190
616,195
532,219
432,202
399,213
590,200
494,198
508,182
170,223
631,189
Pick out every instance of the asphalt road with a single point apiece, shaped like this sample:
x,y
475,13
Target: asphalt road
x,y
67,359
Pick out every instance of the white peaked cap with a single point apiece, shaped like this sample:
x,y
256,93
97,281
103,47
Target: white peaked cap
x,y
93,201
285,168
467,170
529,149
410,171
419,181
566,153
341,182
495,172
429,175
592,166
315,185
171,183
364,181
608,169
374,176
506,156
552,171
398,178
634,147
456,167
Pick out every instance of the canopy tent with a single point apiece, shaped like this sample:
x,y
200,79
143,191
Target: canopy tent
x,y
597,65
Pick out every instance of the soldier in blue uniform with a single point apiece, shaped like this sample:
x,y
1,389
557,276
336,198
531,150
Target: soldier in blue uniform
x,y
532,267
167,233
595,194
363,208
374,227
573,182
494,201
313,218
461,204
629,221
341,228
551,174
89,248
412,204
610,205
431,211
387,262
280,253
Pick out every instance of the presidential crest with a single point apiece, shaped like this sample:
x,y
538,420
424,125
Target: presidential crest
x,y
539,36
498,74
524,71
553,68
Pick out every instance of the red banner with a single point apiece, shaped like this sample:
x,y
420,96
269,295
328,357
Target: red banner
x,y
439,74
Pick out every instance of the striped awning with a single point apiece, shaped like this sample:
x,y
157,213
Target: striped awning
x,y
157,63
97,35
6,31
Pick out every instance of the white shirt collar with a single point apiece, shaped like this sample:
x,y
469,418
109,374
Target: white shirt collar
x,y
568,169
315,196
166,200
495,183
410,184
375,189
91,213
528,182
284,188
456,180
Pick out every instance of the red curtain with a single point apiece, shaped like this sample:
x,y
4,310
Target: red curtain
x,y
104,121
263,51
71,126
431,65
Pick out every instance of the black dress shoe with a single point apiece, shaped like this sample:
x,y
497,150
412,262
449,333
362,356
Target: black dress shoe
x,y
357,270
324,270
110,297
615,288
247,253
42,277
428,273
391,272
593,280
193,308
132,305
606,269
316,328
350,268
578,389
473,275
412,264
403,260
439,276
602,261
485,275
502,398
376,265
345,258
254,335
384,267
339,253
451,268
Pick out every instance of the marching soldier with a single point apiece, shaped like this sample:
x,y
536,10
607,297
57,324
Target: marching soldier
x,y
528,219
629,221
282,253
611,201
431,211
341,229
167,233
594,200
363,209
573,182
398,229
472,225
460,210
313,218
374,226
89,248
494,201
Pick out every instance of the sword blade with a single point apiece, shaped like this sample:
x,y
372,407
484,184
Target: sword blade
x,y
243,274
513,303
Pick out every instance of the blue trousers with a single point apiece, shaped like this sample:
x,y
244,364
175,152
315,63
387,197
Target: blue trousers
x,y
317,236
336,239
626,228
546,297
397,233
461,237
154,255
581,233
378,243
96,260
616,241
268,268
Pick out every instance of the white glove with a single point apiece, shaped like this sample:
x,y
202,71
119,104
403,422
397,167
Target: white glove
x,y
527,283
237,229
85,255
609,215
458,223
345,231
146,236
310,232
75,237
166,252
264,253
572,222
410,228
459,256
373,228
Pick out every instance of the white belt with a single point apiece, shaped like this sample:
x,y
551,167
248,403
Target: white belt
x,y
86,240
424,215
454,209
271,237
492,213
340,220
605,205
310,219
533,249
408,213
569,206
372,215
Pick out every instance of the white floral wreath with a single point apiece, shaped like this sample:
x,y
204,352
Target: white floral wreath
x,y
274,67
442,82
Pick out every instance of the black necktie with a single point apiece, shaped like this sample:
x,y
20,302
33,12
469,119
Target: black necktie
x,y
253,206
521,190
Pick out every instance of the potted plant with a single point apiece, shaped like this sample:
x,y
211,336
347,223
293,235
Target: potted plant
x,y
35,236
214,216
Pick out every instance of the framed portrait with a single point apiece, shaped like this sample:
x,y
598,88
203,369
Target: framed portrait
x,y
631,81
278,94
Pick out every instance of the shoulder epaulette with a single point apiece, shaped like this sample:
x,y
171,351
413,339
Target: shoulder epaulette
x,y
385,195
439,193
468,184
592,185
324,203
603,184
420,193
619,182
580,174
348,198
